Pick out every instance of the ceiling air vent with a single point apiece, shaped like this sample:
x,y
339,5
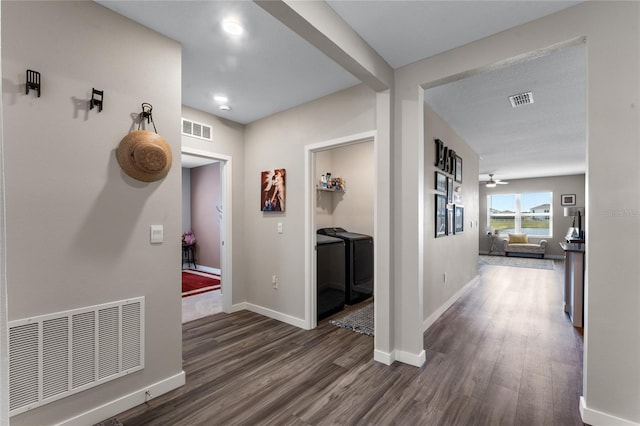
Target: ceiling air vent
x,y
521,99
195,129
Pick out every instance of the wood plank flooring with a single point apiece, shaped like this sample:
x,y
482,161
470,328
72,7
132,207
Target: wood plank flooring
x,y
504,354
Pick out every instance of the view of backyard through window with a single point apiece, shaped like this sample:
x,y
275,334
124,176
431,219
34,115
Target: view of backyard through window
x,y
527,213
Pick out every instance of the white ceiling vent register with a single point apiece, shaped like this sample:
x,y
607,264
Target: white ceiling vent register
x,y
195,129
56,355
521,99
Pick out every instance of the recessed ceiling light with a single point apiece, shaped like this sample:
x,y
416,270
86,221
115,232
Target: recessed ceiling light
x,y
221,98
224,108
232,27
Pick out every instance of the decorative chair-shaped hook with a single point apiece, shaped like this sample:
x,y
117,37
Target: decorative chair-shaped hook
x,y
33,81
95,101
146,114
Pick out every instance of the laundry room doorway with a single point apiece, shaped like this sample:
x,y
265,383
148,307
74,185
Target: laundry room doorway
x,y
340,194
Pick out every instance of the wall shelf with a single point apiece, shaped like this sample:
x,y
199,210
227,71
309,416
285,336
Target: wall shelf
x,y
319,188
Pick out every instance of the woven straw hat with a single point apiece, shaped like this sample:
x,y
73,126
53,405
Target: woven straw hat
x,y
144,156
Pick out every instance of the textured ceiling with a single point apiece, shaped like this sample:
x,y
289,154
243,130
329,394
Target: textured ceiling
x,y
546,138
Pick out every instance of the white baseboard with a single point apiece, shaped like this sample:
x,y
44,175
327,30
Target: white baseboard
x,y
208,269
288,319
417,360
446,305
383,357
238,307
598,418
125,402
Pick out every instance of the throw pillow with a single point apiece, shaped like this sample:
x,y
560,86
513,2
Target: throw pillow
x,y
518,239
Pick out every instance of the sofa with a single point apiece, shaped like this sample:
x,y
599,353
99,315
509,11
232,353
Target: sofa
x,y
519,244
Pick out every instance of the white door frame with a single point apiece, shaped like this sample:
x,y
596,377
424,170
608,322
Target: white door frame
x,y
226,239
310,312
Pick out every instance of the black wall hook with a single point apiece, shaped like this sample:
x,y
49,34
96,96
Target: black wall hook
x,y
33,81
95,101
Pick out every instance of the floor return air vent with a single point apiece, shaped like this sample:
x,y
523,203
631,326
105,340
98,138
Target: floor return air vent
x,y
56,355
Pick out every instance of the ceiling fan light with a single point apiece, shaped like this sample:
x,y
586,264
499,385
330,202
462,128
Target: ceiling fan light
x,y
491,184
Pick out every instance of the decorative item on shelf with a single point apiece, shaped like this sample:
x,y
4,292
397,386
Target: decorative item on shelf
x,y
95,101
329,183
142,154
33,81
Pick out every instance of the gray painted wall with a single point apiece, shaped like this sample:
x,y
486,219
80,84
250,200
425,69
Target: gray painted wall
x,y
205,196
573,184
353,209
186,199
77,226
278,142
455,255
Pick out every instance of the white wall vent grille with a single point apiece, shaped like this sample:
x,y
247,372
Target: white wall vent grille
x,y
195,129
521,99
56,355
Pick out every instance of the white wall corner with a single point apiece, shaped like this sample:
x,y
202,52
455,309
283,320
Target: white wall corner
x,y
126,402
598,418
288,319
442,309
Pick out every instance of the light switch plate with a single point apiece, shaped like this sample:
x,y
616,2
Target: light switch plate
x,y
157,234
279,227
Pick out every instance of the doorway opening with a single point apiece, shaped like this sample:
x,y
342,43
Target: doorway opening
x,y
206,218
321,207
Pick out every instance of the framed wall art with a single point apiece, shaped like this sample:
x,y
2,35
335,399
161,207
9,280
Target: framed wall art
x,y
449,190
458,169
458,220
450,230
441,182
273,190
441,215
568,199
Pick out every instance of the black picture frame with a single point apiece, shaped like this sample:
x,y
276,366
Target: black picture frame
x,y
568,199
440,182
450,220
458,169
458,220
449,190
440,215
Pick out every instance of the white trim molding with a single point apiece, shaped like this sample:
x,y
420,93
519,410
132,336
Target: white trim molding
x,y
598,418
441,310
288,319
126,402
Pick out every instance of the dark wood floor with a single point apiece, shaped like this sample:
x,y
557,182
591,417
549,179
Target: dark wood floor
x,y
503,354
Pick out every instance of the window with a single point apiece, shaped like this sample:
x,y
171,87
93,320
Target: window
x,y
526,213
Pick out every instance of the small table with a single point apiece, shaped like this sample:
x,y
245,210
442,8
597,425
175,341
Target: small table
x,y
493,239
189,254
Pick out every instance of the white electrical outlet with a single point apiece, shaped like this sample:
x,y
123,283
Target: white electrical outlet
x,y
274,281
279,227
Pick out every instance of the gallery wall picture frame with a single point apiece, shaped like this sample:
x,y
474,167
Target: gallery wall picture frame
x,y
568,199
440,215
441,182
450,220
449,190
458,169
458,220
273,190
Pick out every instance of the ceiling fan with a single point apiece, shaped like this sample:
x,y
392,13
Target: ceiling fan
x,y
491,183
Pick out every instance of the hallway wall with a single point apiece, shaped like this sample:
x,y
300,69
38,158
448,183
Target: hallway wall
x,y
205,219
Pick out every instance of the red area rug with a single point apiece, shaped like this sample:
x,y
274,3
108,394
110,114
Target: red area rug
x,y
197,282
